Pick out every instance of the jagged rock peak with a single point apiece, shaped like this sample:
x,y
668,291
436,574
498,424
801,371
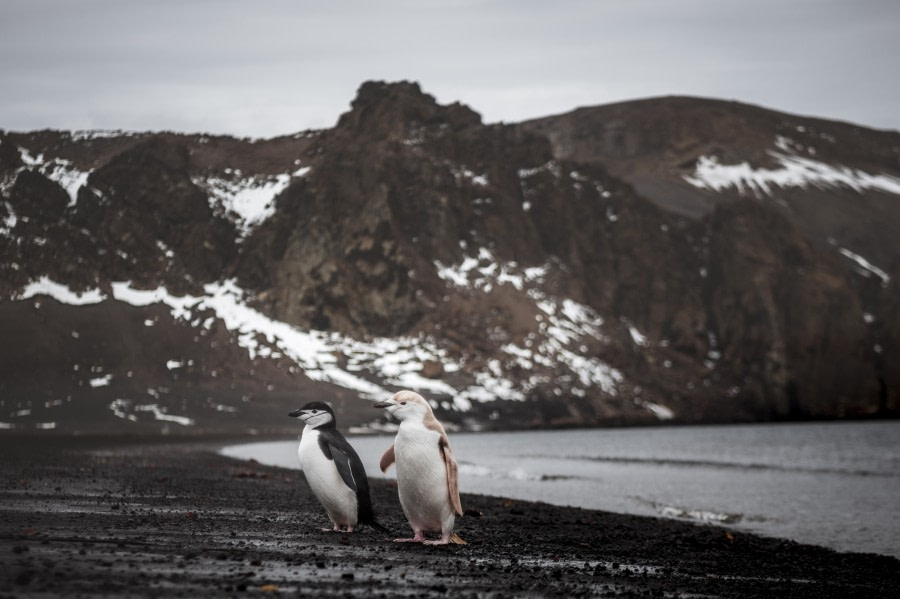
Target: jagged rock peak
x,y
382,107
9,155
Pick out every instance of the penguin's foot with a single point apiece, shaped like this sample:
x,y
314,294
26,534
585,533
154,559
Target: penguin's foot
x,y
338,528
444,540
418,538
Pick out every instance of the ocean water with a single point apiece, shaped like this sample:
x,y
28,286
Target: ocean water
x,y
830,484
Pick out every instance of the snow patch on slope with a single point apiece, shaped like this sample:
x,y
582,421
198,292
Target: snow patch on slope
x,y
564,326
9,221
794,171
482,273
864,267
59,170
92,134
369,365
61,293
375,368
121,408
249,199
661,412
464,174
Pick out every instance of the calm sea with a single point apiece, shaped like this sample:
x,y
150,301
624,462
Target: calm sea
x,y
834,484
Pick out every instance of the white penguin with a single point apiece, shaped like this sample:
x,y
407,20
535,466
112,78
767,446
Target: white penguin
x,y
333,470
426,470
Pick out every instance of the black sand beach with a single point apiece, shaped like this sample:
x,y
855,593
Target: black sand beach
x,y
117,517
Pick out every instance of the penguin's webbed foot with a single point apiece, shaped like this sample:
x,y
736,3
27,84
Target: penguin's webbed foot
x,y
444,540
418,538
338,528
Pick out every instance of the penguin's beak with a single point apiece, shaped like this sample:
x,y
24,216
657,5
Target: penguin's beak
x,y
382,404
296,414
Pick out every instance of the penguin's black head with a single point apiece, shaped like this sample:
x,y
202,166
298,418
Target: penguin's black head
x,y
316,414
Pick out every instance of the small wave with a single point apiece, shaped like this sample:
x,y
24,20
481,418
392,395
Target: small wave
x,y
521,474
474,470
696,515
686,463
699,515
470,469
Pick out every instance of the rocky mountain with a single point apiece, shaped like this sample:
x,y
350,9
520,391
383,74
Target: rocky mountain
x,y
667,260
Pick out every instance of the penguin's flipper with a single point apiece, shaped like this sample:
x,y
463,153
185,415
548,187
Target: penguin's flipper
x,y
387,459
452,475
349,466
342,462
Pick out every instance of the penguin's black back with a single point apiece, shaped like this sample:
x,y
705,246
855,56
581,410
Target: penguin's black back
x,y
336,448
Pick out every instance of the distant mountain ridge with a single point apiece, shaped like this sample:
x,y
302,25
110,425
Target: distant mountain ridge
x,y
673,259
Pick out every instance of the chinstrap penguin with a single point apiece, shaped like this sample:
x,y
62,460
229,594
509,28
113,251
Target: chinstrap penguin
x,y
426,470
333,470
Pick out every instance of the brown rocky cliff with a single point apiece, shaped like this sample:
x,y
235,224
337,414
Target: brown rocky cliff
x,y
887,335
152,221
787,318
562,271
388,195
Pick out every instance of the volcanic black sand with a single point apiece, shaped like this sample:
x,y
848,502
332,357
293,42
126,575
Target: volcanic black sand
x,y
83,517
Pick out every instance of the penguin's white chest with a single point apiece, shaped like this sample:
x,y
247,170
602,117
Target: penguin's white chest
x,y
422,478
326,483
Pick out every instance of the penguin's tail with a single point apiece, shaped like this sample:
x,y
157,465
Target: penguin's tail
x,y
456,539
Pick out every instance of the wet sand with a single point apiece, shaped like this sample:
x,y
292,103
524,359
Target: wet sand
x,y
161,517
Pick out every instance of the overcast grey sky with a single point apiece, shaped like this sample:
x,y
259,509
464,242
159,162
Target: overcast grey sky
x,y
269,67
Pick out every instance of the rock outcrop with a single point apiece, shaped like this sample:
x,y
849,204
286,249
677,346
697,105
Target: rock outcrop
x,y
675,259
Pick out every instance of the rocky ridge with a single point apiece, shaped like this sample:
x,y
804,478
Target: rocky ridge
x,y
675,260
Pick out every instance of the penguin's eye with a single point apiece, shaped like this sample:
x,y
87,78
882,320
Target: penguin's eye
x,y
402,403
315,411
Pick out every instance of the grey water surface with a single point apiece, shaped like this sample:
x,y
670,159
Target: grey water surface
x,y
830,484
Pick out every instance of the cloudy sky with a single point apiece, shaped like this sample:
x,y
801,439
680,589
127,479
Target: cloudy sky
x,y
271,67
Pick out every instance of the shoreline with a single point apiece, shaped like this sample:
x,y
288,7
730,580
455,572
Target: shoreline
x,y
744,487
166,516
